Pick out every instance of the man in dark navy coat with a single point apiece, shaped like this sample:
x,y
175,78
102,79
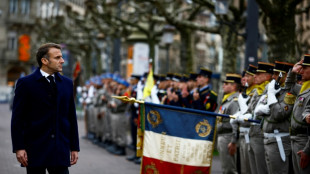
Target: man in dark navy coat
x,y
44,127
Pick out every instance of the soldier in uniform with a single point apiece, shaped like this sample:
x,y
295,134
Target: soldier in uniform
x,y
257,152
118,120
244,127
168,97
175,99
97,110
185,92
204,98
276,108
226,139
161,87
134,116
191,83
91,109
108,86
299,133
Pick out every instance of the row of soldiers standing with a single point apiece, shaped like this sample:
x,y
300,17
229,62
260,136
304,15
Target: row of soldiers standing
x,y
269,93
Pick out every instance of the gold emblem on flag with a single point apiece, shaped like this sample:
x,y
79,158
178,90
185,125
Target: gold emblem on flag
x,y
151,168
203,128
153,117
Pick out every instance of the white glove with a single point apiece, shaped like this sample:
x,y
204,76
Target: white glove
x,y
262,106
262,110
243,117
154,96
235,120
272,93
243,103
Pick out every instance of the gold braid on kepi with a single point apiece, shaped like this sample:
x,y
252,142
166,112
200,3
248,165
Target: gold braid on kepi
x,y
127,99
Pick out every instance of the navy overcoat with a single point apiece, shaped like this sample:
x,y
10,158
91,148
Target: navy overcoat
x,y
44,124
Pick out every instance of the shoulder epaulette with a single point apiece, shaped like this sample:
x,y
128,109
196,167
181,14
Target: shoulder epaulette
x,y
214,93
235,99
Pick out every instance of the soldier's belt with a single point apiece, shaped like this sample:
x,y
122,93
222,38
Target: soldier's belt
x,y
294,132
278,136
244,129
272,135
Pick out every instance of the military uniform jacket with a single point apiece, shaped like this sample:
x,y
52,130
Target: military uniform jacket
x,y
245,123
207,101
301,108
230,106
121,107
255,131
280,113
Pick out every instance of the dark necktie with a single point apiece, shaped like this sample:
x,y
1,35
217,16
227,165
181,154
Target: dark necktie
x,y
52,82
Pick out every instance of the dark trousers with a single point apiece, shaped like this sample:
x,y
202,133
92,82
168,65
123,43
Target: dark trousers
x,y
51,170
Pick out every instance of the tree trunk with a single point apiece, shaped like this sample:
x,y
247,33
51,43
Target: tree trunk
x,y
186,51
230,48
87,63
281,37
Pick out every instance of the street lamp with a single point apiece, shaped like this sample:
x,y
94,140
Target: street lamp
x,y
167,39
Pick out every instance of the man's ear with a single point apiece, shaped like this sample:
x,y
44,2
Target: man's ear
x,y
44,61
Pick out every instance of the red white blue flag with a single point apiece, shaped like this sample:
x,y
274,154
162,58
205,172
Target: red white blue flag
x,y
177,140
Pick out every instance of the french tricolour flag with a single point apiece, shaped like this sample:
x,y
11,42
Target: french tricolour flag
x,y
177,140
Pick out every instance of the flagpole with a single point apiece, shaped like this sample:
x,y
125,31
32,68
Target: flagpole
x,y
133,100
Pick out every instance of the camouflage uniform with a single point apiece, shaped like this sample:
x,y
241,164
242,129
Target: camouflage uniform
x,y
119,124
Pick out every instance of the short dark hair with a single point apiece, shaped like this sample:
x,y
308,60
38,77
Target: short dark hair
x,y
43,51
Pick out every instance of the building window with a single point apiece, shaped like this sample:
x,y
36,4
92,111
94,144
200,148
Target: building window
x,y
12,41
13,6
25,6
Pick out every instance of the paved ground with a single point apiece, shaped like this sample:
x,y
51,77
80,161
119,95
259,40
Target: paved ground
x,y
92,159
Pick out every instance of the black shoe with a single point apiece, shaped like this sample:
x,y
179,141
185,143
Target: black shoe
x,y
111,148
131,158
138,160
95,141
91,136
106,144
132,147
119,151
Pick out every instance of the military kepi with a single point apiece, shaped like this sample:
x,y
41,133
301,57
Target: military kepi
x,y
251,70
265,67
233,78
306,60
283,67
205,72
193,76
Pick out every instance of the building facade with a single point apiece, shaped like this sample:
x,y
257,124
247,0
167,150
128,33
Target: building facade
x,y
18,35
